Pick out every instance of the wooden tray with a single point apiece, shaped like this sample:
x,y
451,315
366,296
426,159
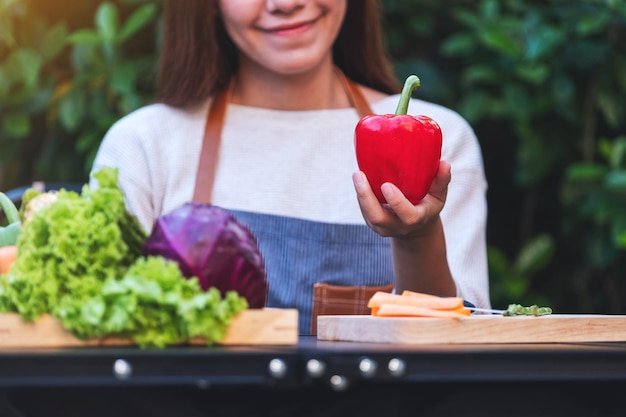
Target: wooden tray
x,y
552,328
250,327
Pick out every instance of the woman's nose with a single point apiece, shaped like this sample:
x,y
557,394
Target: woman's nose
x,y
284,6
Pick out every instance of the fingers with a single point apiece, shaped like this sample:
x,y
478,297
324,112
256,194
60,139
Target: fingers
x,y
402,207
399,217
370,206
439,187
424,210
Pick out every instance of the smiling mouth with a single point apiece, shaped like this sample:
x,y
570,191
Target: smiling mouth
x,y
291,29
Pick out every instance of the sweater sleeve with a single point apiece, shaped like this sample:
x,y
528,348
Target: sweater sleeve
x,y
156,150
121,148
465,214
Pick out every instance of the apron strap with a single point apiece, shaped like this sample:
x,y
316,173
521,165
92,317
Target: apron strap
x,y
205,176
355,96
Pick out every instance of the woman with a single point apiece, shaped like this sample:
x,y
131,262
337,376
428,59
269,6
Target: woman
x,y
284,76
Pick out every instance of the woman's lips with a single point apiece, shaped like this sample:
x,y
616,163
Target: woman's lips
x,y
291,29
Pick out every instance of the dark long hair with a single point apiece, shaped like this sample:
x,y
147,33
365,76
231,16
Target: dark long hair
x,y
198,58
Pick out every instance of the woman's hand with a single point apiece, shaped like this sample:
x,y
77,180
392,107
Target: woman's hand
x,y
400,218
418,242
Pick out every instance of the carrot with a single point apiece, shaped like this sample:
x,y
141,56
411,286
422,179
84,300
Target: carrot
x,y
422,295
402,310
7,257
415,299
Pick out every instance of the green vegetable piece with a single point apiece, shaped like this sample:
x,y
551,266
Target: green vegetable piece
x,y
520,310
9,234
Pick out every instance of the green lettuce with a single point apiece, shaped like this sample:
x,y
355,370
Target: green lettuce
x,y
154,305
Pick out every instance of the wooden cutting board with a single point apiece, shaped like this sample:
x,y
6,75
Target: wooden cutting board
x,y
250,327
552,328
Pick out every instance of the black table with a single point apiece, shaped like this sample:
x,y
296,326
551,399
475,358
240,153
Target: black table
x,y
587,376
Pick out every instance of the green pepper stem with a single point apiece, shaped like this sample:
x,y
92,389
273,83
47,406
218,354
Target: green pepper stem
x,y
10,211
411,83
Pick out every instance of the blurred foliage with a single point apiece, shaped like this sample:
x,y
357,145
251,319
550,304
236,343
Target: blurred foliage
x,y
67,72
543,83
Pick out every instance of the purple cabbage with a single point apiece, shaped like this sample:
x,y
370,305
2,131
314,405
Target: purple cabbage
x,y
209,243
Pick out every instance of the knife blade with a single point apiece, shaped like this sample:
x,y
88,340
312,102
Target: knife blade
x,y
474,309
485,310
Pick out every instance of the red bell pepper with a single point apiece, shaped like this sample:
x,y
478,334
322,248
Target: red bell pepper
x,y
399,148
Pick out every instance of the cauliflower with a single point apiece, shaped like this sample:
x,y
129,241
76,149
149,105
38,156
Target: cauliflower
x,y
39,202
